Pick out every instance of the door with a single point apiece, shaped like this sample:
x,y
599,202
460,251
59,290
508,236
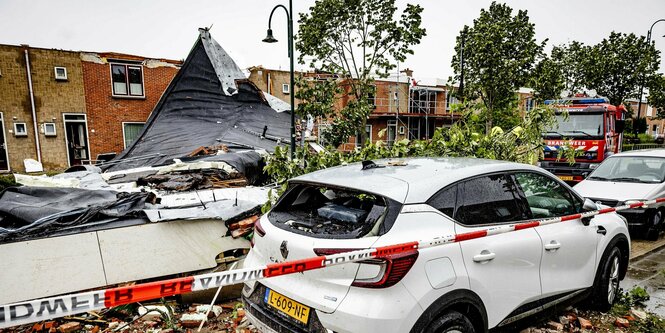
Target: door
x,y
76,131
569,248
503,269
4,158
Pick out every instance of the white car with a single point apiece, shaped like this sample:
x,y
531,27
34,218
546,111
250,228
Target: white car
x,y
470,286
628,177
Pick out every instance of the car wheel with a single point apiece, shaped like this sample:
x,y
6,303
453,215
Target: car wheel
x,y
654,226
451,322
606,286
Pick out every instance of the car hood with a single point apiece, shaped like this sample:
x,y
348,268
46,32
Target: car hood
x,y
616,190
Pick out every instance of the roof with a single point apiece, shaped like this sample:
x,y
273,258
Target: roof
x,y
643,152
414,182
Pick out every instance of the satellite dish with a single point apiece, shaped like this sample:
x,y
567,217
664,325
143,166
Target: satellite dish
x,y
565,94
592,93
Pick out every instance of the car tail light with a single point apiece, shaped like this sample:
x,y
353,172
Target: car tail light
x,y
258,229
389,269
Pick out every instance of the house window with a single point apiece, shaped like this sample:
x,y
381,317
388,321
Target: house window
x,y
20,129
127,80
392,132
286,89
450,99
60,73
371,96
368,132
49,129
530,103
131,131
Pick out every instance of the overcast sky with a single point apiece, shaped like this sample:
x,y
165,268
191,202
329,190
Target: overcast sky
x,y
168,28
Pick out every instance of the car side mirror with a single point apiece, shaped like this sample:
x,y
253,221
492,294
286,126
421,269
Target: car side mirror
x,y
619,125
588,206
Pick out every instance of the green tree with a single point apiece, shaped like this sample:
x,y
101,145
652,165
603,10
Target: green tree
x,y
357,40
616,66
656,96
547,80
571,60
500,51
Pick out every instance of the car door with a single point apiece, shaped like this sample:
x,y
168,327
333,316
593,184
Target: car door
x,y
503,269
569,248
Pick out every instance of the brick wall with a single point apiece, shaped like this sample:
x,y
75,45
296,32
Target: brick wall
x,y
52,99
107,113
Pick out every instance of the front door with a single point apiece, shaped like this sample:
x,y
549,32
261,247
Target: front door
x,y
503,269
76,131
4,159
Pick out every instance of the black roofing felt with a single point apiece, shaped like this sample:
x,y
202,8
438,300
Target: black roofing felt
x,y
198,109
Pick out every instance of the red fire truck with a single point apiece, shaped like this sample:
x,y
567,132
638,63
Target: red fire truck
x,y
593,126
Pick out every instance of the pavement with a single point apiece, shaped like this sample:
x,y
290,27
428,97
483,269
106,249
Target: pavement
x,y
647,269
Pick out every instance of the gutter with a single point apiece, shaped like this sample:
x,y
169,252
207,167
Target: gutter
x,y
32,105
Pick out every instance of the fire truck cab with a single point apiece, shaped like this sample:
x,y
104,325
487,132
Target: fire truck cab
x,y
592,126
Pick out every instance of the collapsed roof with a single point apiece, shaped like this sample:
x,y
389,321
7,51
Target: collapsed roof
x,y
208,103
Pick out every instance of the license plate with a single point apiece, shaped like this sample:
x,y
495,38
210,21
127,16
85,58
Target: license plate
x,y
287,306
566,177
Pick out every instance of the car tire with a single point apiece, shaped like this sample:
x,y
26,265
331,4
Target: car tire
x,y
451,322
606,286
654,226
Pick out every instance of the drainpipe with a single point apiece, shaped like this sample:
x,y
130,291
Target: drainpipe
x,y
32,105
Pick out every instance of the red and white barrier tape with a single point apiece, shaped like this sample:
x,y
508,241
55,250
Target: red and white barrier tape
x,y
60,306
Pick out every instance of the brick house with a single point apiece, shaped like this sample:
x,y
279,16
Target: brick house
x,y
120,92
56,99
402,109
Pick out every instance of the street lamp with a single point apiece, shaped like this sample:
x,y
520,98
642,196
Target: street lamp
x,y
271,39
639,103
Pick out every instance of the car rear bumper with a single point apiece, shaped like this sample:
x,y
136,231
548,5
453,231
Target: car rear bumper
x,y
391,310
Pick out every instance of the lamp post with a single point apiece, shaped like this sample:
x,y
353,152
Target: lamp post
x,y
639,103
271,39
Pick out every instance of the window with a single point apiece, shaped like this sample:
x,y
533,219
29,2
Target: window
x,y
286,89
450,99
20,129
391,132
49,129
131,131
530,103
371,96
368,132
490,199
546,197
127,80
444,201
60,73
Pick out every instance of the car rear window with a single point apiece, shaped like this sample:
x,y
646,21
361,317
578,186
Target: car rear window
x,y
329,212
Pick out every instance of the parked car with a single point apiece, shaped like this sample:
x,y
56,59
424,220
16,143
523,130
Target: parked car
x,y
626,178
470,286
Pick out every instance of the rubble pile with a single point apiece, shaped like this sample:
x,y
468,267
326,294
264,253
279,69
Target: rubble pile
x,y
574,320
167,317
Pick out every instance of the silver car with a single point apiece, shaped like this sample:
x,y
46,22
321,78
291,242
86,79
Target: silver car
x,y
626,178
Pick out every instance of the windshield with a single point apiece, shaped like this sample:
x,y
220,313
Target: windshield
x,y
633,169
577,125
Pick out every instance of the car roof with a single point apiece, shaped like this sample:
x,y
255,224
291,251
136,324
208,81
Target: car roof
x,y
657,152
414,182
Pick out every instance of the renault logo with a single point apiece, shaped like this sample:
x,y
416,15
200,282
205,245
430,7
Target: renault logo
x,y
284,250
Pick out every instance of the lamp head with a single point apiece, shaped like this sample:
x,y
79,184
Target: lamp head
x,y
269,38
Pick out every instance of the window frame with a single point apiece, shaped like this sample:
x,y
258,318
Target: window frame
x,y
286,88
127,83
124,137
47,133
22,133
58,77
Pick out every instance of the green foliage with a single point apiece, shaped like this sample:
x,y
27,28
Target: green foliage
x,y
656,96
7,181
615,66
500,51
466,138
357,40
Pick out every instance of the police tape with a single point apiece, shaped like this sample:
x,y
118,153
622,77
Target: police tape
x,y
65,305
